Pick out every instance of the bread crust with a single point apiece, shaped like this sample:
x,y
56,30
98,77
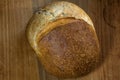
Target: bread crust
x,y
69,50
42,22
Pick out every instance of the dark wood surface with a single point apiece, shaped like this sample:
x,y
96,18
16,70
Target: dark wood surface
x,y
19,62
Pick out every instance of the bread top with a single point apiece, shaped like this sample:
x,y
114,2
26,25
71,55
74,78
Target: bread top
x,y
49,14
70,49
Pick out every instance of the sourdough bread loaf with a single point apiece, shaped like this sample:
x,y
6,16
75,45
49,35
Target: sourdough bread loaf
x,y
64,38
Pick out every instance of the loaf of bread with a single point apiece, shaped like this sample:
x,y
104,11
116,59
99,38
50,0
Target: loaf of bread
x,y
64,39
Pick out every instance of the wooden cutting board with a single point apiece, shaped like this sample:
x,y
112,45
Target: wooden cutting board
x,y
19,62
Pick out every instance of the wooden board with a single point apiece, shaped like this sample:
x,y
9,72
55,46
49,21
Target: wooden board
x,y
19,62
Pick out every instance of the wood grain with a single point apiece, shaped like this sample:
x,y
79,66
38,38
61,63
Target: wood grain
x,y
19,62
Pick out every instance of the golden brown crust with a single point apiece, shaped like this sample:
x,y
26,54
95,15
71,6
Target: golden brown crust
x,y
69,50
59,14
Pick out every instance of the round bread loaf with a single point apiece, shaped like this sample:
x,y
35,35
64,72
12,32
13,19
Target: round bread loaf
x,y
64,38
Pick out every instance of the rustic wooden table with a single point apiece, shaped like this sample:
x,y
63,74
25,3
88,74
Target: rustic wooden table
x,y
17,59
